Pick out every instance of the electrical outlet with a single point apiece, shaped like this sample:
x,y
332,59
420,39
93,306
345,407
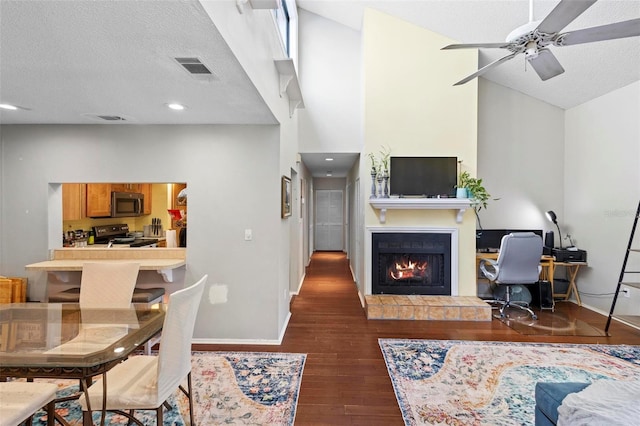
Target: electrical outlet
x,y
625,291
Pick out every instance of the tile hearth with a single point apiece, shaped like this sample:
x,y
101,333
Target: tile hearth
x,y
434,308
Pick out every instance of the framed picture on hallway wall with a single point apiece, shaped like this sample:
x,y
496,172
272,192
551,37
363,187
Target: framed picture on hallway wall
x,y
286,197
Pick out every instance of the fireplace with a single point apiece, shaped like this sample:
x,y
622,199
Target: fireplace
x,y
411,263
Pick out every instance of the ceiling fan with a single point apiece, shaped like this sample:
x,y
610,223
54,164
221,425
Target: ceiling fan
x,y
534,38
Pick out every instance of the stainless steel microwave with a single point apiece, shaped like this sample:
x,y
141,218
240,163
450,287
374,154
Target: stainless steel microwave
x,y
127,204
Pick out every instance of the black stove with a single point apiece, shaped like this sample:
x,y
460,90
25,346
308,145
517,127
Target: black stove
x,y
118,234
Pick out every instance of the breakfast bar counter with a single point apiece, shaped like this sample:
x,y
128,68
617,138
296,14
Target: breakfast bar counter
x,y
162,260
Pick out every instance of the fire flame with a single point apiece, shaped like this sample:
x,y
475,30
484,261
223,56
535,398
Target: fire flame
x,y
403,271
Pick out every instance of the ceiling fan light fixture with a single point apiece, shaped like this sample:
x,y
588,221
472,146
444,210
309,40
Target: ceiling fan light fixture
x,y
534,37
522,30
531,50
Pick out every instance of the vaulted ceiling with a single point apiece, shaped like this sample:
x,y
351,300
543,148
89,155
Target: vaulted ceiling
x,y
71,62
591,70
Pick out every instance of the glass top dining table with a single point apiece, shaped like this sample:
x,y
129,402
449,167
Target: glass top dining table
x,y
63,341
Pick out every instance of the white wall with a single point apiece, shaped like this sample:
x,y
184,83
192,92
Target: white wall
x,y
520,158
234,184
254,40
331,83
602,190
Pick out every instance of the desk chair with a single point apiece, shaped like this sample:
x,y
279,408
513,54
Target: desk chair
x,y
145,382
518,263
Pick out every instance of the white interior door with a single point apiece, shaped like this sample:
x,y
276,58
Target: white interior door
x,y
329,220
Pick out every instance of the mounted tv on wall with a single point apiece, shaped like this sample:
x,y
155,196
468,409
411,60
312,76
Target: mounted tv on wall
x,y
430,177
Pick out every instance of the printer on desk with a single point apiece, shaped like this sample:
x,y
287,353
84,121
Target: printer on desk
x,y
570,254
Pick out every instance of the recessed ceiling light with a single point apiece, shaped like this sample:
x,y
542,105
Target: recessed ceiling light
x,y
328,159
329,173
9,107
176,107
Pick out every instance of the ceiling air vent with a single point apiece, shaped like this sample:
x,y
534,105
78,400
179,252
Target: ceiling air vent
x,y
194,66
109,118
112,118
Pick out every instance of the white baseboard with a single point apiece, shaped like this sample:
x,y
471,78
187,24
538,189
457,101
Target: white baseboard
x,y
246,341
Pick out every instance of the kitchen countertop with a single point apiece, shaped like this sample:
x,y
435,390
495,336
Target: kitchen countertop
x,y
163,260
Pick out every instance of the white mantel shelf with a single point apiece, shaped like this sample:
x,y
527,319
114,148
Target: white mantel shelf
x,y
384,204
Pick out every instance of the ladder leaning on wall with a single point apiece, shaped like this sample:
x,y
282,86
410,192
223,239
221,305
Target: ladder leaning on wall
x,y
624,273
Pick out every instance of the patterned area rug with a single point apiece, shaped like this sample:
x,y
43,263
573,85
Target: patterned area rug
x,y
238,388
440,382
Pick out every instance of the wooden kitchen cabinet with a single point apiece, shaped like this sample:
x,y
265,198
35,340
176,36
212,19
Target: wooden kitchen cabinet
x,y
127,187
73,201
99,199
120,187
146,190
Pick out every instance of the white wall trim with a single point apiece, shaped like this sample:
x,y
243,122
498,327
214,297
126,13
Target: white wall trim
x,y
246,341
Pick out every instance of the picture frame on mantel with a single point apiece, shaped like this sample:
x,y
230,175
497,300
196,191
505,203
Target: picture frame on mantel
x,y
285,197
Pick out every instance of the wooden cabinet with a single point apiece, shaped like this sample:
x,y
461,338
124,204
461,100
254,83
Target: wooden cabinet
x,y
99,199
146,190
73,201
120,187
127,187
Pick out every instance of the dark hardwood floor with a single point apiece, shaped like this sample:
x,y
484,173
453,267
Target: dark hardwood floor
x,y
345,379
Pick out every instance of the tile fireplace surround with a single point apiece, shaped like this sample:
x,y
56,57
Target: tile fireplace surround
x,y
433,308
423,307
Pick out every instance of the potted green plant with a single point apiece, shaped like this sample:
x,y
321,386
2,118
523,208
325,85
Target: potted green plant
x,y
463,182
477,193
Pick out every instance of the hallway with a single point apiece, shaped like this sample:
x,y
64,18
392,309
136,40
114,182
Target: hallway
x,y
345,380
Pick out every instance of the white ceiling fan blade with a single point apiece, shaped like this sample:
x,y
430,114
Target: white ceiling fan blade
x,y
546,65
476,46
623,29
563,14
485,69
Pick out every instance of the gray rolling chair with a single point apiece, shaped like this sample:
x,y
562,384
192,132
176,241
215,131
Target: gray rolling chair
x,y
518,263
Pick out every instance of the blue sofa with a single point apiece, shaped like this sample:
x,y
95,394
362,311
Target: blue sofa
x,y
549,397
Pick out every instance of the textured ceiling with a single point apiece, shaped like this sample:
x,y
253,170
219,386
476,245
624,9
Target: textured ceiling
x,y
68,61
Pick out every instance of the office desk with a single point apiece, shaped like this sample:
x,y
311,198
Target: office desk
x,y
572,271
59,340
549,266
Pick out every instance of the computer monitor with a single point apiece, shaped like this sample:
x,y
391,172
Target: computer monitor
x,y
488,240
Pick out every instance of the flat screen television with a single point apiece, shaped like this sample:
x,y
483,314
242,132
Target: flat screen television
x,y
423,176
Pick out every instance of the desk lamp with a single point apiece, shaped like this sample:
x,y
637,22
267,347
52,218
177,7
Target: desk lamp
x,y
553,218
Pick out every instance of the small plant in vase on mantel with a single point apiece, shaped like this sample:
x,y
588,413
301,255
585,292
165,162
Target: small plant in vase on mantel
x,y
374,173
380,173
385,153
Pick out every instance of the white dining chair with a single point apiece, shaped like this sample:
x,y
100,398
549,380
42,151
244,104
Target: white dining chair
x,y
102,286
108,285
146,382
20,400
